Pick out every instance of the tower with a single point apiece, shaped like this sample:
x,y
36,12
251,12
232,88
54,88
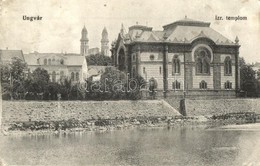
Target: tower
x,y
84,42
104,42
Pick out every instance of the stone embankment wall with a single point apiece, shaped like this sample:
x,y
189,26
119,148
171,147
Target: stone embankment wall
x,y
221,106
22,111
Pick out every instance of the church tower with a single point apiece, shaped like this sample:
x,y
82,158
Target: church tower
x,y
104,42
84,42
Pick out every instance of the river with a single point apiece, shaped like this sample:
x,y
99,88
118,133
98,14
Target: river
x,y
139,146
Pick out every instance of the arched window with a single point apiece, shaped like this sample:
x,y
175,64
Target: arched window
x,y
228,66
203,85
53,76
199,65
61,75
202,60
205,67
175,65
72,76
49,61
176,85
77,76
53,61
62,62
228,85
45,61
144,70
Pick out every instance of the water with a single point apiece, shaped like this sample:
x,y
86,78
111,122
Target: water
x,y
159,146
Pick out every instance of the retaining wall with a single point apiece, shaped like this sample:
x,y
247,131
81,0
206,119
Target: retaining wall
x,y
221,106
14,111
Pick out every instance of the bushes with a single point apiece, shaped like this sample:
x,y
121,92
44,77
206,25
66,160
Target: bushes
x,y
113,85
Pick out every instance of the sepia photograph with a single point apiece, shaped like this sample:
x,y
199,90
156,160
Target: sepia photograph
x,y
129,83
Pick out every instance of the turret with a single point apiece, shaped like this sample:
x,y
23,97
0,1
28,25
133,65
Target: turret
x,y
84,42
104,42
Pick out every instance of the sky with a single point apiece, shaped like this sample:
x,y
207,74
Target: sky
x,y
62,21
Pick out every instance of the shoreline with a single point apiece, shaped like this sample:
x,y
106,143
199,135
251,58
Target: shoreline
x,y
103,125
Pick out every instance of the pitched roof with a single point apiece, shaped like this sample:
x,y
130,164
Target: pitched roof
x,y
186,30
7,55
193,32
70,59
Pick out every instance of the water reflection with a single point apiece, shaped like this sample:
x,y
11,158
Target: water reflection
x,y
158,146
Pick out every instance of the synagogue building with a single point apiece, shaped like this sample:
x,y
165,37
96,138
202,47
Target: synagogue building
x,y
186,57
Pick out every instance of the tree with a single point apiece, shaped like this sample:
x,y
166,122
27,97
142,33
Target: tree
x,y
248,81
41,78
13,77
241,62
115,85
99,60
66,87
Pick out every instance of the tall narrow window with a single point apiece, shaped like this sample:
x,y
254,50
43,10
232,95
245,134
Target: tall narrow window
x,y
53,61
175,65
160,70
77,76
61,75
203,85
228,66
72,76
53,76
133,57
176,85
199,65
45,61
133,71
144,70
49,61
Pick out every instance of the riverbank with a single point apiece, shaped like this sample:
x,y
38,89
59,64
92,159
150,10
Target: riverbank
x,y
102,125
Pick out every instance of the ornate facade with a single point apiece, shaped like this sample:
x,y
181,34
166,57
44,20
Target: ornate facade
x,y
186,57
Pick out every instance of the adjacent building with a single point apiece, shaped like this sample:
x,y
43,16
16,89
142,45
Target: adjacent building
x,y
7,55
186,57
59,65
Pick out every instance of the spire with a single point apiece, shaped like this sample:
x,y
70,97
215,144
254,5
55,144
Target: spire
x,y
84,42
122,29
237,40
84,34
104,32
84,30
104,42
104,35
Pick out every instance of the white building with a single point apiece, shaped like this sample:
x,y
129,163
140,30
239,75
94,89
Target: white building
x,y
59,65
